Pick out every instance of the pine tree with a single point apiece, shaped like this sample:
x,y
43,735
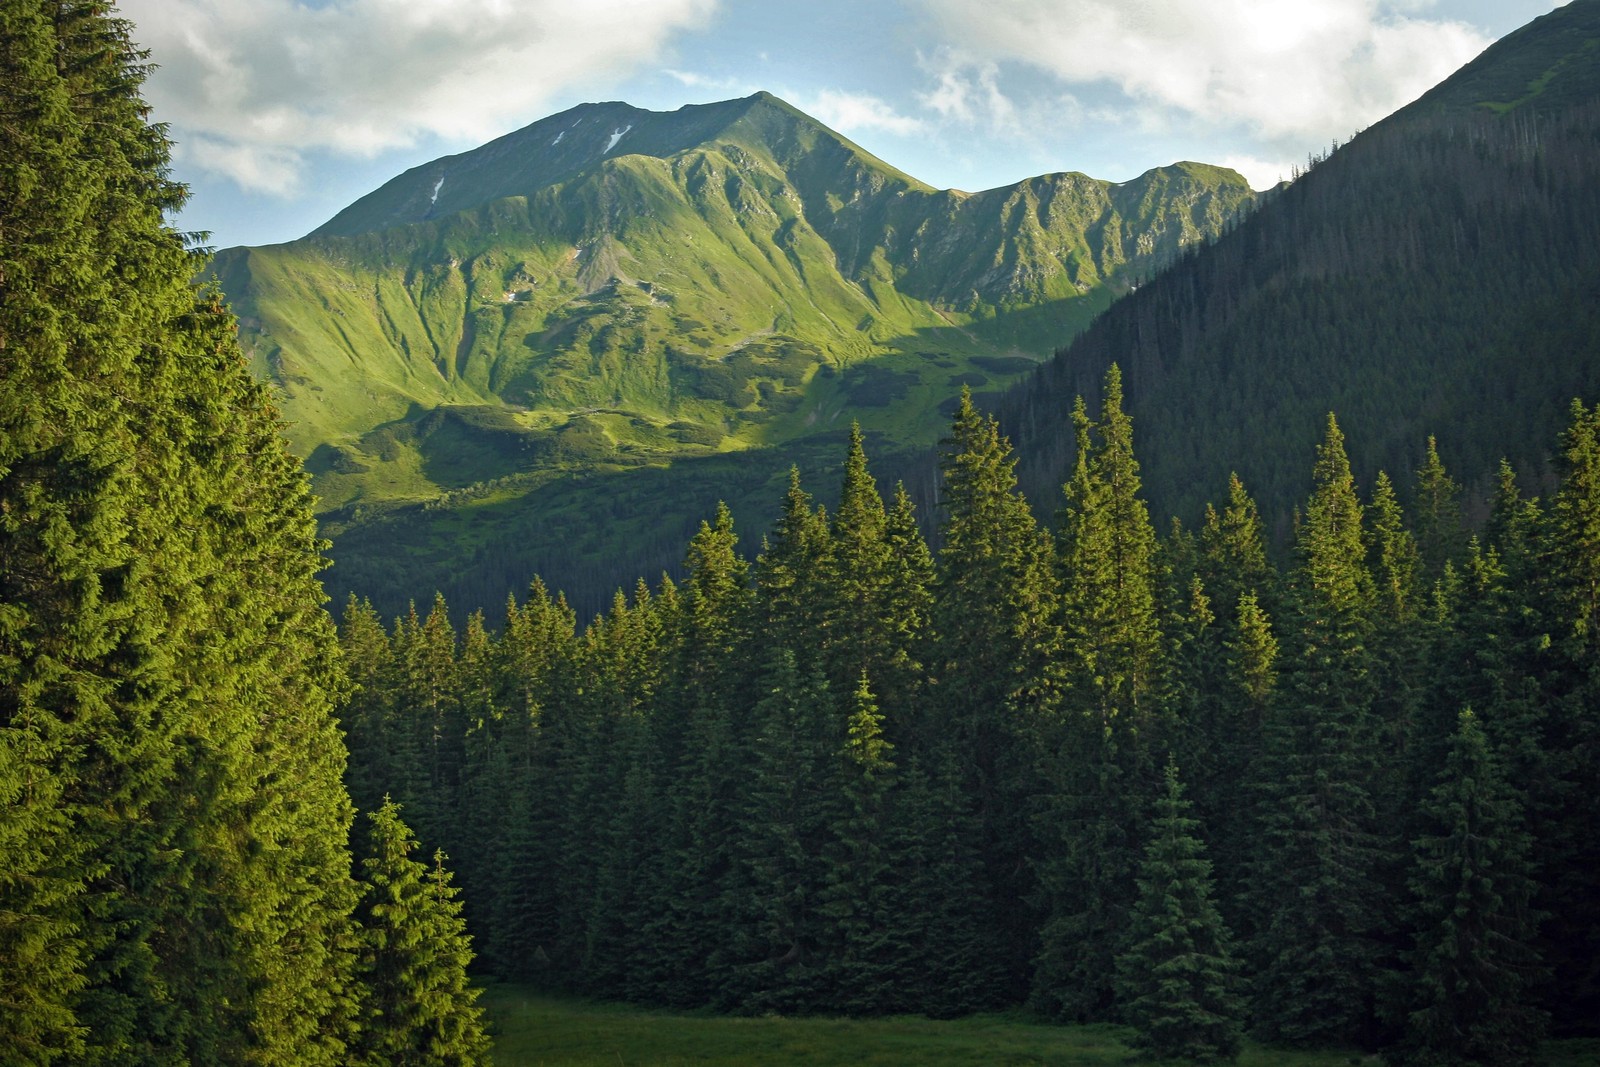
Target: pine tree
x,y
1108,559
1565,661
949,966
367,714
1473,965
789,577
1316,907
992,635
909,606
862,632
1233,553
1103,755
770,896
699,743
1178,981
1440,534
864,938
418,1009
167,669
535,654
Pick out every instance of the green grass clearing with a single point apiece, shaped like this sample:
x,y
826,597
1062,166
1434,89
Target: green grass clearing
x,y
532,1029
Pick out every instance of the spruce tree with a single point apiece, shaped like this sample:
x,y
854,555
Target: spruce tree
x,y
177,883
1316,909
789,574
865,937
767,941
909,600
1441,536
1473,965
1566,662
1101,761
992,635
1177,980
418,1009
862,632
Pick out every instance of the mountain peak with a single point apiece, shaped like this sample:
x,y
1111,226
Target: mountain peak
x,y
582,138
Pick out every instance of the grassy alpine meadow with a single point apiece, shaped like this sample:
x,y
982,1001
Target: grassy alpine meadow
x,y
533,1029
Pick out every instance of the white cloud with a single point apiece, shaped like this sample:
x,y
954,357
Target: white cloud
x,y
967,91
854,112
1262,174
1283,71
250,86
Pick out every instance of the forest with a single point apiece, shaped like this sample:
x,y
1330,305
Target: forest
x,y
1338,794
1339,800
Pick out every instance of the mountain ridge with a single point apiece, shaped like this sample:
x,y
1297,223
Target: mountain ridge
x,y
723,277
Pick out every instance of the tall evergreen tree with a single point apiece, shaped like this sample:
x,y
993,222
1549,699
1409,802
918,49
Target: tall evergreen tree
x,y
700,742
1317,908
909,607
863,634
865,938
1440,533
789,576
1102,761
1178,980
418,1009
177,883
1567,661
1467,997
992,634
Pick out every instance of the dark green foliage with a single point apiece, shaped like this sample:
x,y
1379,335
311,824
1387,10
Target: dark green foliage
x,y
1101,759
1473,965
417,1007
1441,263
1178,979
866,934
693,814
992,631
1317,907
1564,596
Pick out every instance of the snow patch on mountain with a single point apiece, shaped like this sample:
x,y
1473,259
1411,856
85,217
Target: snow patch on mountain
x,y
616,135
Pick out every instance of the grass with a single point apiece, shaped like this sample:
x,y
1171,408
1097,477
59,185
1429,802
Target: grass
x,y
536,1030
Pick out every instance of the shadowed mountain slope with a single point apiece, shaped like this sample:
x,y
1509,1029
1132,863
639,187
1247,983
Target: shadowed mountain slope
x,y
1439,274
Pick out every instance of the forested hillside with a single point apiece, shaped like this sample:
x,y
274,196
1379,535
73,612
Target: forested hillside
x,y
176,880
1346,802
1439,274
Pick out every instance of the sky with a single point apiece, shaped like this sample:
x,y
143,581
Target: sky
x,y
284,111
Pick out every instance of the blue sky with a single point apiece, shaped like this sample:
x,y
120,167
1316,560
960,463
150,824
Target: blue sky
x,y
284,111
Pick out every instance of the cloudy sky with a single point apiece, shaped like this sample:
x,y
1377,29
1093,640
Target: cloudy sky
x,y
284,111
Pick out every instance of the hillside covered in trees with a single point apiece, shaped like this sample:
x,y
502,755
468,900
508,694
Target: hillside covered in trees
x,y
1344,802
177,883
1438,274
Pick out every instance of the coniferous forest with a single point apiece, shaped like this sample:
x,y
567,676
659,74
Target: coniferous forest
x,y
1333,791
1343,799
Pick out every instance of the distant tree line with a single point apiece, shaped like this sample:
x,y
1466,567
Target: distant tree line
x,y
1347,800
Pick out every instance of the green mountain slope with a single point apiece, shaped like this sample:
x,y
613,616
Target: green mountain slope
x,y
613,289
1440,274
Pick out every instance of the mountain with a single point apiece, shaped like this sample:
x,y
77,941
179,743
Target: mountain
x,y
611,292
1439,274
